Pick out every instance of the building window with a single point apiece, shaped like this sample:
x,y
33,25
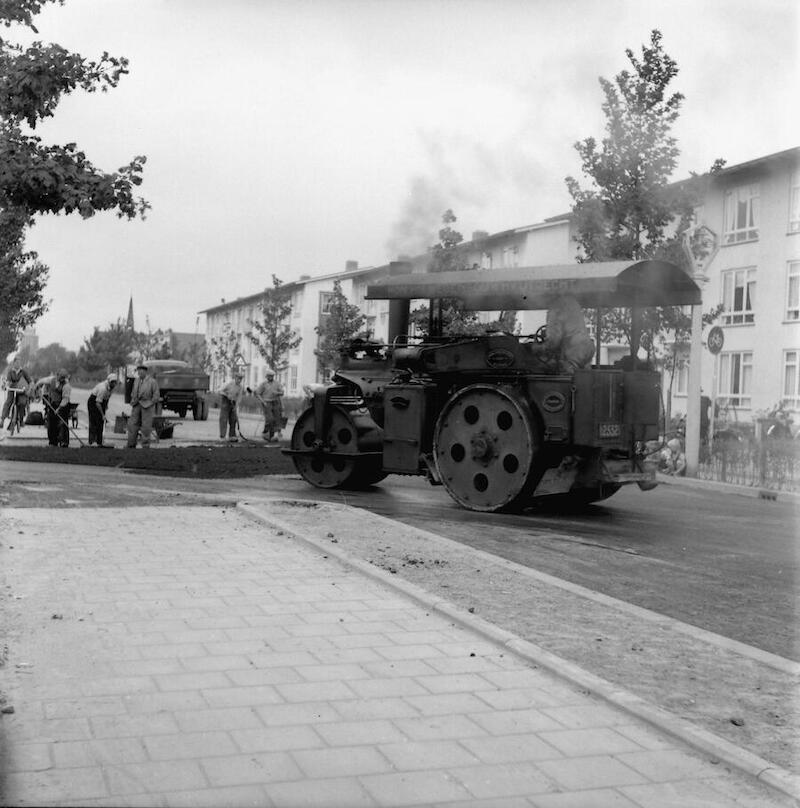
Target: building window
x,y
510,256
793,291
741,214
794,204
735,378
325,302
738,296
292,378
791,379
486,260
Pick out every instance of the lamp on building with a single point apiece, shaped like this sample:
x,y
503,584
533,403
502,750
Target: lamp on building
x,y
700,245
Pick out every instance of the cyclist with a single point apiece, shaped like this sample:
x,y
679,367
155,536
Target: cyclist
x,y
16,391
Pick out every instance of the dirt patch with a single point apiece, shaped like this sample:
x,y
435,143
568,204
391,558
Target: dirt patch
x,y
206,462
738,698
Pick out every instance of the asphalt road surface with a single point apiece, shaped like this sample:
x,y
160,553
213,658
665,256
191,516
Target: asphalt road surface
x,y
722,562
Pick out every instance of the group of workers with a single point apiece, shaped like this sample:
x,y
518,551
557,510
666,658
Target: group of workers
x,y
270,396
55,393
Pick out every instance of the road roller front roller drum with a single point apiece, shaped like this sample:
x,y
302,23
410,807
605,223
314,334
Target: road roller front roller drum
x,y
337,463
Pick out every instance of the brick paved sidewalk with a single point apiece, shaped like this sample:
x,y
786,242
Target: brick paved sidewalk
x,y
189,656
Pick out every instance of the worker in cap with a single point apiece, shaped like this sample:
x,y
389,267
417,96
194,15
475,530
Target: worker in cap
x,y
230,398
270,394
97,406
144,397
58,428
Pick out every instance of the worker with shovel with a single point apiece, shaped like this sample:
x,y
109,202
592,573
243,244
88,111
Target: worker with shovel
x,y
56,400
229,400
97,406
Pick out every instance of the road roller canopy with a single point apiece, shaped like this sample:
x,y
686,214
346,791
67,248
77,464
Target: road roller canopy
x,y
598,284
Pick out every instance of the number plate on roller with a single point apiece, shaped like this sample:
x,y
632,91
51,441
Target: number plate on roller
x,y
610,430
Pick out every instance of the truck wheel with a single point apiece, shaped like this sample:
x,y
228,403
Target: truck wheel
x,y
487,446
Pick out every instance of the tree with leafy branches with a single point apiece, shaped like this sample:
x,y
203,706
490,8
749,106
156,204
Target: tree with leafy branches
x,y
91,355
342,322
224,355
107,349
449,316
50,359
196,354
271,333
38,178
631,211
629,208
152,344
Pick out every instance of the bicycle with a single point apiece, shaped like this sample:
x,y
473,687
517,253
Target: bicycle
x,y
16,412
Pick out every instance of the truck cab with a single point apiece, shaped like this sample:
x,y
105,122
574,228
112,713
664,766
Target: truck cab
x,y
182,386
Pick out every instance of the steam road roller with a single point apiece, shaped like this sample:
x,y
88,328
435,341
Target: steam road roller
x,y
502,421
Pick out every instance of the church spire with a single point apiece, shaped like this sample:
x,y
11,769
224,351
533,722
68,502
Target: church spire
x,y
129,321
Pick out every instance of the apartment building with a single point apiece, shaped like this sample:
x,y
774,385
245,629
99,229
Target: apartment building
x,y
754,210
310,302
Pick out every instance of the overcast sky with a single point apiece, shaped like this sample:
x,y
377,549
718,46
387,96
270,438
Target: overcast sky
x,y
290,137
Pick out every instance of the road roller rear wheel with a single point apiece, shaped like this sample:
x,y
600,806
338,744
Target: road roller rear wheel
x,y
486,445
349,432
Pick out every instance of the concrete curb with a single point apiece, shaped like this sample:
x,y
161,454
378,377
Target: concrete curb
x,y
702,740
728,488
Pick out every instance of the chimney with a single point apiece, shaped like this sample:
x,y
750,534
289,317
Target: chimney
x,y
305,277
399,267
480,235
350,266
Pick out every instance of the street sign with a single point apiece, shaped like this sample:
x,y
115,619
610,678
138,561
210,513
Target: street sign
x,y
716,339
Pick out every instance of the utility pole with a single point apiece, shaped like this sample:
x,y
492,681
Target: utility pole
x,y
700,244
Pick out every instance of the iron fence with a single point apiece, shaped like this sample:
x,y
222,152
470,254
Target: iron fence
x,y
770,463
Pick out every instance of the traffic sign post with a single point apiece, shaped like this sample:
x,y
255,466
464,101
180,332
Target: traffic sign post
x,y
714,342
700,245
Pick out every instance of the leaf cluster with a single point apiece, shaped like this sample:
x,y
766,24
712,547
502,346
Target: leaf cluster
x,y
343,322
22,12
49,359
38,178
22,283
630,211
224,353
450,317
271,334
625,212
